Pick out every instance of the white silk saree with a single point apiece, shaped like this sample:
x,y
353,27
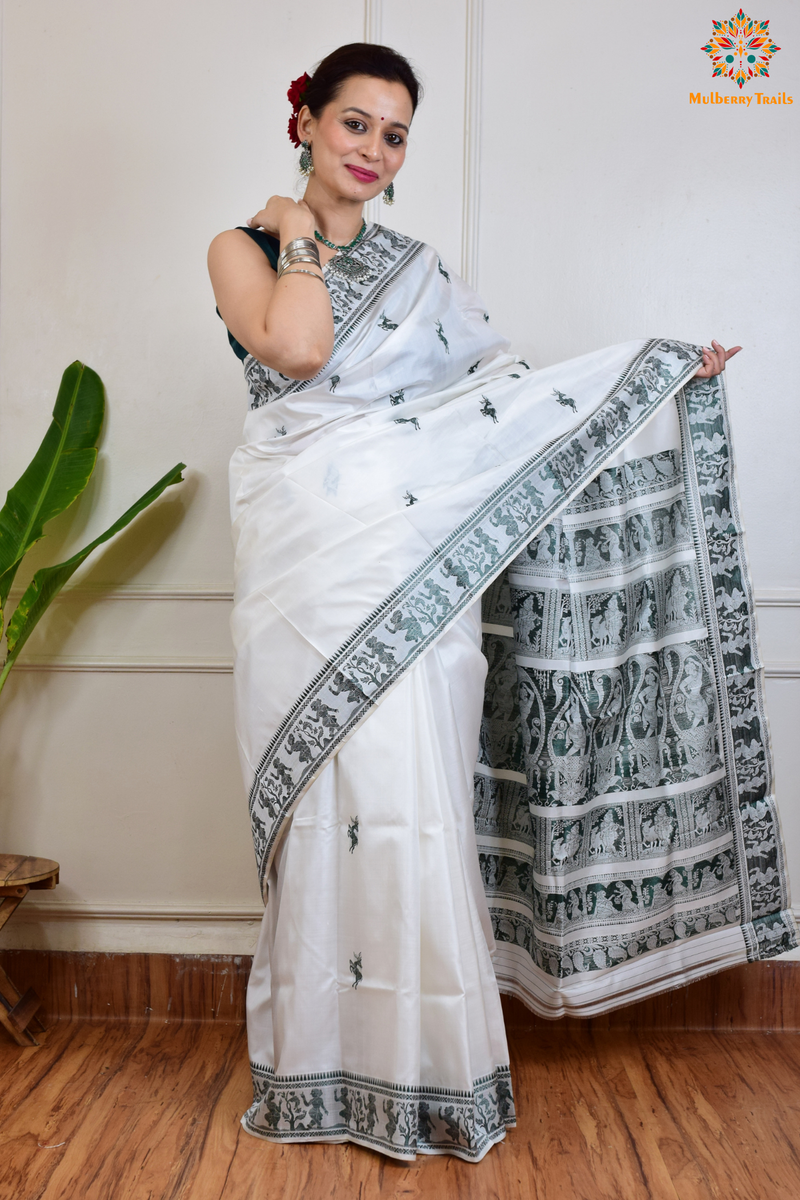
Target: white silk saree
x,y
583,813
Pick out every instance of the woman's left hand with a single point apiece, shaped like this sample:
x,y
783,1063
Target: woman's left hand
x,y
714,360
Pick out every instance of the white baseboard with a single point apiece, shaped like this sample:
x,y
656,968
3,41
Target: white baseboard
x,y
155,929
128,929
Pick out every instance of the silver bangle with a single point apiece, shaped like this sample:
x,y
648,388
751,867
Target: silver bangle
x,y
291,251
284,267
300,242
300,271
283,263
300,245
293,258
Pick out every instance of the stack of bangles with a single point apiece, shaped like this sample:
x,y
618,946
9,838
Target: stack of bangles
x,y
301,250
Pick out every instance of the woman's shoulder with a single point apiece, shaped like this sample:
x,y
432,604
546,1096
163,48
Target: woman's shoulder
x,y
265,241
229,238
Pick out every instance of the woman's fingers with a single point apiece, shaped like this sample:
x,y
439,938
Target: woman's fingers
x,y
726,354
714,358
269,217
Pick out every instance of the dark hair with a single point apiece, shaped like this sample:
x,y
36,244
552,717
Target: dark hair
x,y
359,58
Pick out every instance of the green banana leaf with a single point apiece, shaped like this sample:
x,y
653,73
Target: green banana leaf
x,y
58,472
48,582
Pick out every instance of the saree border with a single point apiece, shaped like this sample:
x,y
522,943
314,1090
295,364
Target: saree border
x,y
373,1112
767,923
416,613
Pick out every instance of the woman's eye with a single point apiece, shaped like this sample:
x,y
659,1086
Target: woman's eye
x,y
396,139
357,125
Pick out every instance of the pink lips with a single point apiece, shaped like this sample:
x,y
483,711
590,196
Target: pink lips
x,y
361,175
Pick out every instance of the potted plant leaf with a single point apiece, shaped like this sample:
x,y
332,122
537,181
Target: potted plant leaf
x,y
55,478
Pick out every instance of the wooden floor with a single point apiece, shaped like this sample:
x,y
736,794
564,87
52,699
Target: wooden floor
x,y
150,1111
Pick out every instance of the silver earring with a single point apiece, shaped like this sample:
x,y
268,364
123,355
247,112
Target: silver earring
x,y
306,164
388,195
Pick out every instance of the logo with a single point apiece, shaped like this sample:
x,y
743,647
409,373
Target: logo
x,y
741,49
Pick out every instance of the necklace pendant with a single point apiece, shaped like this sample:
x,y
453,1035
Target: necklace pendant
x,y
348,268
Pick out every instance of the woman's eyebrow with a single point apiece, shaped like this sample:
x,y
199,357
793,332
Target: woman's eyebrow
x,y
360,111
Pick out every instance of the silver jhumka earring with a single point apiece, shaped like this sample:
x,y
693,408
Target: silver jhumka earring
x,y
306,163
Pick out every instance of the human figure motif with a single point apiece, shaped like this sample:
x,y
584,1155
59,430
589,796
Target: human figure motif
x,y
695,705
610,544
391,1119
608,624
645,622
272,1110
344,1098
677,599
424,1124
604,907
316,1109
592,558
452,1124
565,845
649,706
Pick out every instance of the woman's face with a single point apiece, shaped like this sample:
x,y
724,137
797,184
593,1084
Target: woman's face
x,y
359,140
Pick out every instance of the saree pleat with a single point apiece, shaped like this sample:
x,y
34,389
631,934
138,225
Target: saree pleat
x,y
607,827
373,1011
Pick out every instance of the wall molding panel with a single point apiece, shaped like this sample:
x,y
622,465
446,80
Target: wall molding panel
x,y
473,81
775,598
98,592
373,32
137,912
102,664
109,928
779,598
373,21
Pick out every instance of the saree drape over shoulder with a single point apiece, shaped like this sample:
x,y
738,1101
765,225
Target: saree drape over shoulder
x,y
585,821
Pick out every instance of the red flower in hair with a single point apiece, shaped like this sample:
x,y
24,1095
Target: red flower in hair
x,y
295,97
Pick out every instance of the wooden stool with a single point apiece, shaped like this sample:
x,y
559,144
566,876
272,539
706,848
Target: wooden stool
x,y
18,876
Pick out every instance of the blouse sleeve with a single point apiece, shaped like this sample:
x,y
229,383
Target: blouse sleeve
x,y
271,247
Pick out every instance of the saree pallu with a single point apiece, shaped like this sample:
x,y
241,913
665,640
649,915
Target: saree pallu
x,y
624,838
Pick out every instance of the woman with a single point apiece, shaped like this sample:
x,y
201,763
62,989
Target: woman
x,y
398,465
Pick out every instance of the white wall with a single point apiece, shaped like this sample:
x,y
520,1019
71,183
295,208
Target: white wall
x,y
590,201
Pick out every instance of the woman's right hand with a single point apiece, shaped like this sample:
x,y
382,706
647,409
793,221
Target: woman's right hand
x,y
284,218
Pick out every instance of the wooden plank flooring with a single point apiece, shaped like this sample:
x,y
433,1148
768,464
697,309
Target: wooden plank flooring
x,y
150,1111
211,987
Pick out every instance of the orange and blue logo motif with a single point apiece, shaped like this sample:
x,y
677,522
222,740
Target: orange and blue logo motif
x,y
741,49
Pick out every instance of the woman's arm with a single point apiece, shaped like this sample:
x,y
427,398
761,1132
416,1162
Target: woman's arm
x,y
285,323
